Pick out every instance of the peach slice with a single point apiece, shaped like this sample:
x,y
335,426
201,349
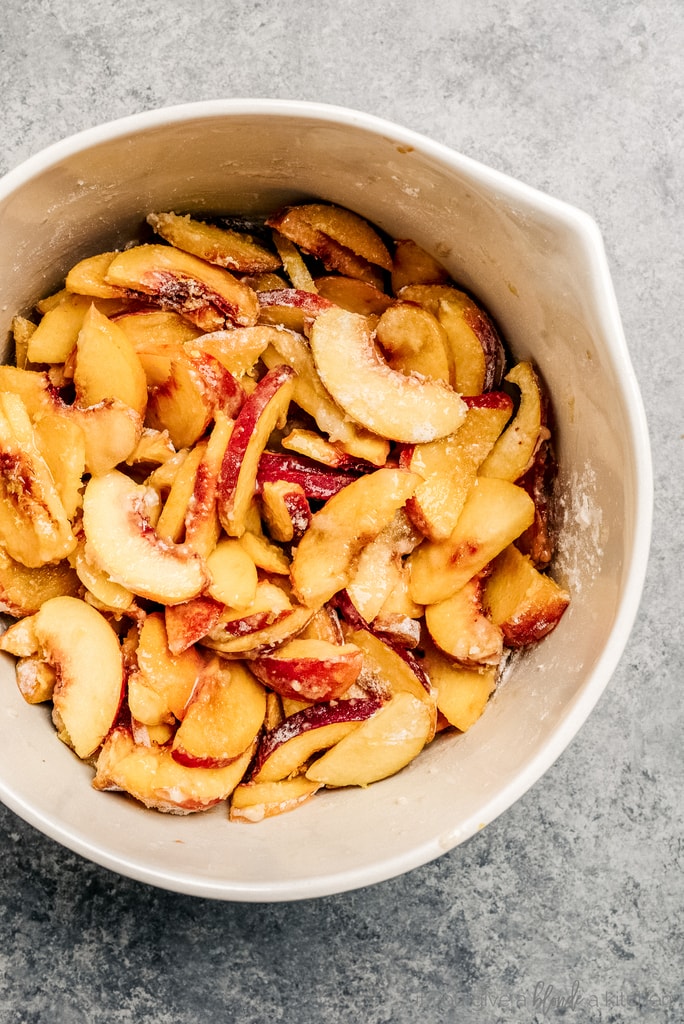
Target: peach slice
x,y
309,669
396,668
202,527
186,401
254,801
152,776
87,277
73,637
55,336
147,707
449,466
291,309
107,365
414,341
264,553
158,337
262,410
233,574
111,431
222,719
462,693
318,482
539,540
380,567
342,240
285,509
62,444
259,640
286,749
190,621
380,747
513,453
413,265
326,555
312,397
460,628
270,603
208,296
171,674
217,245
122,542
353,294
523,602
171,523
314,446
22,330
34,528
106,592
24,590
495,513
36,680
385,401
477,353
238,349
293,264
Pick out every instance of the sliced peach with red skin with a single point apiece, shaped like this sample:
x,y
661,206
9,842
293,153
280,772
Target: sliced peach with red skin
x,y
514,451
185,402
152,776
341,239
208,296
477,353
308,669
318,482
538,541
380,565
326,555
222,719
218,245
34,528
285,509
188,622
524,603
290,308
495,513
286,749
380,747
121,541
258,639
462,693
449,466
395,666
237,349
262,410
254,801
460,628
73,637
387,402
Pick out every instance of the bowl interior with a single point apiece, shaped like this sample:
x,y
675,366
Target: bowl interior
x,y
539,268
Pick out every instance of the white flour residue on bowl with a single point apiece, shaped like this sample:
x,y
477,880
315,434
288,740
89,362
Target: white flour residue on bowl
x,y
580,531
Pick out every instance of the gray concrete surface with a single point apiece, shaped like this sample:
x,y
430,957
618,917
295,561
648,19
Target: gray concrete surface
x,y
569,906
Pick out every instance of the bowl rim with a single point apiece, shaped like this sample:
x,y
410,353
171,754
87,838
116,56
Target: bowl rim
x,y
587,230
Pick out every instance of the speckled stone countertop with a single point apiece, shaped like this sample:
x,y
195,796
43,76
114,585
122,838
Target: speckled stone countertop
x,y
569,906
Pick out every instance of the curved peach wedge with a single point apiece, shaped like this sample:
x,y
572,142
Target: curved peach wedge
x,y
121,541
73,638
152,776
394,405
209,296
220,246
310,669
325,557
379,747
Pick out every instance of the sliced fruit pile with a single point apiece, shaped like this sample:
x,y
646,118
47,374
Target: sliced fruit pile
x,y
272,510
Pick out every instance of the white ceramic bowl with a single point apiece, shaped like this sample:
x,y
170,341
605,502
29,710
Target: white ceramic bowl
x,y
539,267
